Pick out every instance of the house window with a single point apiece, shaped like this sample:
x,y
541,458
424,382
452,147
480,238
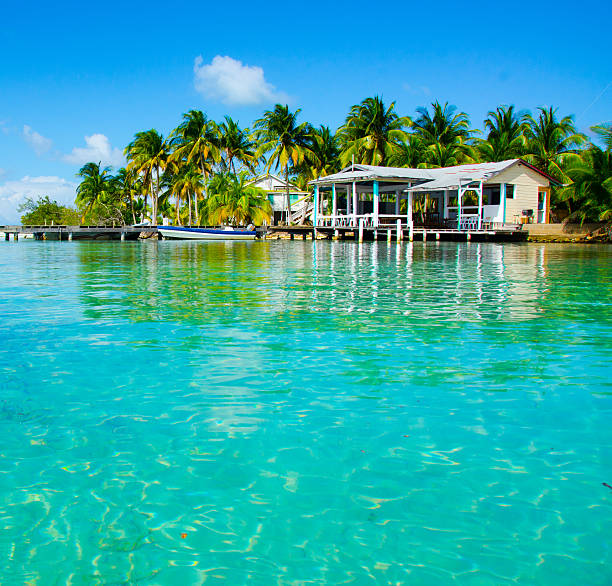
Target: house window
x,y
491,194
509,191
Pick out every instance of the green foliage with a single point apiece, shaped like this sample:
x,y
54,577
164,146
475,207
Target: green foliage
x,y
231,200
446,134
506,136
43,211
371,133
590,193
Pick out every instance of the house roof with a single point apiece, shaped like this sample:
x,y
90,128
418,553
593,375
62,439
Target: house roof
x,y
442,178
282,184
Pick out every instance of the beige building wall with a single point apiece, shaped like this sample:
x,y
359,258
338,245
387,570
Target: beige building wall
x,y
527,183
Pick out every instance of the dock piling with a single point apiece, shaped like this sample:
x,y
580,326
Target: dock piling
x,y
360,229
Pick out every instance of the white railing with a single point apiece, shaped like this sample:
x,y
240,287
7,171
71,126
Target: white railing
x,y
468,222
340,221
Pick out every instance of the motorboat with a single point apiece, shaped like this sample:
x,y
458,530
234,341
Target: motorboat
x,y
193,233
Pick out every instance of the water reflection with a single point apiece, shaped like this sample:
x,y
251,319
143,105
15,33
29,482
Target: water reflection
x,y
272,284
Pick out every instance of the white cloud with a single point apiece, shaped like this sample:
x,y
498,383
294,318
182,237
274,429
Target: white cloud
x,y
37,141
417,90
98,149
232,82
13,193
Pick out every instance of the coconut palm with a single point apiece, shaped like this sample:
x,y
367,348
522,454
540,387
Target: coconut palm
x,y
148,154
589,195
236,145
127,185
197,140
371,132
96,186
505,135
446,134
551,141
184,184
411,153
286,142
232,200
604,130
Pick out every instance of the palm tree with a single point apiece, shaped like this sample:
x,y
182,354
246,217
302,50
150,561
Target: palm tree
x,y
446,134
550,141
505,139
148,154
96,185
196,140
604,130
233,200
186,182
411,153
371,132
590,193
127,185
284,140
237,145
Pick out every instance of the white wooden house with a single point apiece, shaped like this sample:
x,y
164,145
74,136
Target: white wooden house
x,y
276,190
464,197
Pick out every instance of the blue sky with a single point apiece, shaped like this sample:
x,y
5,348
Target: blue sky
x,y
77,80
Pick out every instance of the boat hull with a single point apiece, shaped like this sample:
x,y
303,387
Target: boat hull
x,y
184,233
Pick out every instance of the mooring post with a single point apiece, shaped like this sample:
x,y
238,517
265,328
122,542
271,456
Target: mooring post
x,y
389,233
360,229
468,236
410,233
375,235
69,236
400,232
424,235
122,236
437,235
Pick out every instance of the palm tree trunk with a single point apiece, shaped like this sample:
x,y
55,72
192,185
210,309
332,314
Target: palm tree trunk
x,y
178,210
288,195
156,193
189,204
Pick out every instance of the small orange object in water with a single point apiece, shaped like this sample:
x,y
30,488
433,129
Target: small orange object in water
x,y
183,535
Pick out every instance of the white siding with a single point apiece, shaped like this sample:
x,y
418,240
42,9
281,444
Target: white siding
x,y
526,182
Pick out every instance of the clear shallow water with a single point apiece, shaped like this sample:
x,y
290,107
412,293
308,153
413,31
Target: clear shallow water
x,y
290,413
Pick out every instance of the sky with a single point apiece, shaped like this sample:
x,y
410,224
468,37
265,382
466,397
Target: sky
x,y
78,80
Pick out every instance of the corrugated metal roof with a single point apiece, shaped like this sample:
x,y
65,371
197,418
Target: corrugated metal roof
x,y
444,178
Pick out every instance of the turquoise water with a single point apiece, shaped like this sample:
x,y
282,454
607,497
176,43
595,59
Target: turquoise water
x,y
299,413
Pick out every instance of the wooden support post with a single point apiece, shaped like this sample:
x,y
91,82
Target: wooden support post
x,y
354,210
424,235
336,233
375,235
7,236
303,235
69,236
315,209
291,235
122,236
468,236
360,229
410,233
389,234
400,231
375,202
437,235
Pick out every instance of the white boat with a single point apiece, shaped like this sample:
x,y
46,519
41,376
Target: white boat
x,y
189,233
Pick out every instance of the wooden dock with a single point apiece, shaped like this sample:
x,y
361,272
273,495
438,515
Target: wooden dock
x,y
78,232
421,234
